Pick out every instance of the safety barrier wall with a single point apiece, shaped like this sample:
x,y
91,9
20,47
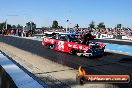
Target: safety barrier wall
x,y
13,76
110,36
5,80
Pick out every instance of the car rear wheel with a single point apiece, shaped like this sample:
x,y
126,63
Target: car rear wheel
x,y
72,51
90,55
79,54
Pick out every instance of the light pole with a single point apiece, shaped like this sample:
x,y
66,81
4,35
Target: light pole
x,y
67,25
22,31
31,28
31,24
23,26
5,25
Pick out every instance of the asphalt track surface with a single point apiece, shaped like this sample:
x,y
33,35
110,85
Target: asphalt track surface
x,y
110,63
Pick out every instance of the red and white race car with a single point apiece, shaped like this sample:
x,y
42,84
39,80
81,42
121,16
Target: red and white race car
x,y
69,44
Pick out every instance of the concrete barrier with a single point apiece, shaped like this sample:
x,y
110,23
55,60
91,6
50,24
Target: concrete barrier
x,y
11,76
5,79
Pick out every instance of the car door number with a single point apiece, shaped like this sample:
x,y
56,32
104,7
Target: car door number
x,y
61,45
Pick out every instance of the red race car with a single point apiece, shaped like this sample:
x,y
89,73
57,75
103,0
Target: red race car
x,y
70,44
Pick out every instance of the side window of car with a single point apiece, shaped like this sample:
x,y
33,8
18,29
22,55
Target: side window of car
x,y
63,38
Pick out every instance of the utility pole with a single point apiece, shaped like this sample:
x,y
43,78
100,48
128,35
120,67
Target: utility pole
x,y
6,24
66,26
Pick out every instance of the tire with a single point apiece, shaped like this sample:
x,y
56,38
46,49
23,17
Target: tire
x,y
52,46
90,55
48,46
80,55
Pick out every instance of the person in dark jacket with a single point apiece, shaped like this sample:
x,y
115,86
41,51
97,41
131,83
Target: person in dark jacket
x,y
86,38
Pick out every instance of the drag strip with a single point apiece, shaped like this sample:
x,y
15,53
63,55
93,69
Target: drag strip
x,y
110,63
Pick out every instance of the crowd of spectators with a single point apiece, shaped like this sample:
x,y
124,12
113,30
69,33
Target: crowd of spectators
x,y
17,32
27,33
112,31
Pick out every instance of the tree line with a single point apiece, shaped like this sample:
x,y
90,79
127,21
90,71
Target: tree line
x,y
91,25
29,26
32,26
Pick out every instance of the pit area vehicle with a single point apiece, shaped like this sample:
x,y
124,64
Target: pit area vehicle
x,y
70,44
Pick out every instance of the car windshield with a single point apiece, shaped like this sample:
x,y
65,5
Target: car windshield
x,y
73,38
68,37
48,35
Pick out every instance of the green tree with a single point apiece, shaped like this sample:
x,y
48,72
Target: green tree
x,y
77,26
101,25
55,24
119,26
19,26
92,25
61,27
9,26
2,25
30,25
13,26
